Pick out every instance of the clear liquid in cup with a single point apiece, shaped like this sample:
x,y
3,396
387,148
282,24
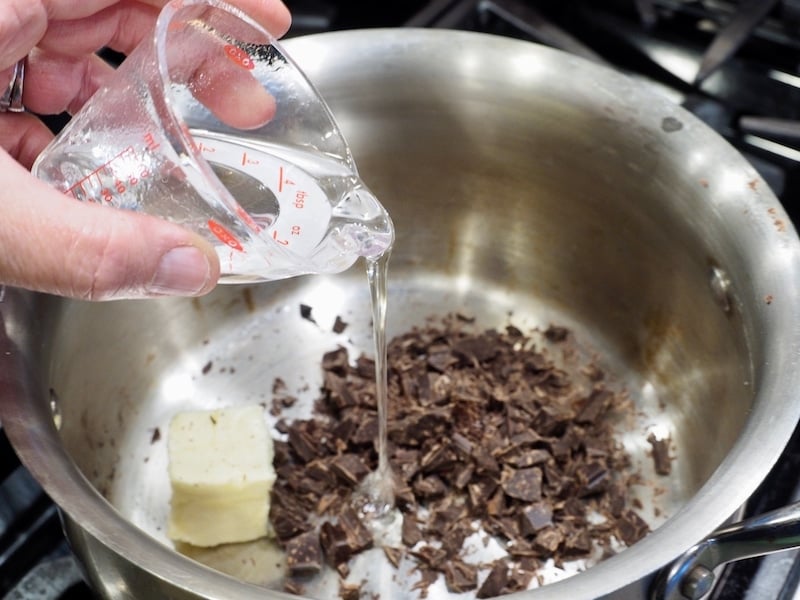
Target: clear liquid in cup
x,y
295,212
315,213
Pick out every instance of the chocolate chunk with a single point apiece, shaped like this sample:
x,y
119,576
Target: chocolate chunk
x,y
337,361
411,533
426,578
350,468
303,554
287,520
596,405
393,555
460,577
433,557
338,325
631,527
485,433
535,517
495,581
523,484
341,540
478,349
592,478
548,540
578,543
429,487
556,334
440,358
303,443
305,313
661,459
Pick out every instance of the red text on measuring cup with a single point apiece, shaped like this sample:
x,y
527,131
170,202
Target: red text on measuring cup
x,y
239,56
225,236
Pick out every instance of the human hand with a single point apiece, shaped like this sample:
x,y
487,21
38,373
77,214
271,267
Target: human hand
x,y
49,242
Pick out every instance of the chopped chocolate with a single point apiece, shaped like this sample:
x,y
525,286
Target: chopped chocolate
x,y
336,361
631,527
495,582
410,532
305,313
338,325
345,538
555,333
661,459
523,484
460,577
303,554
534,517
596,405
548,540
393,555
426,578
350,468
486,434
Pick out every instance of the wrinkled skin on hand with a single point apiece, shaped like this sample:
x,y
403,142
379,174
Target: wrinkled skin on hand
x,y
48,241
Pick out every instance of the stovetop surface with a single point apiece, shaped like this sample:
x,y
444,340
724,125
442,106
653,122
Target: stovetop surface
x,y
752,100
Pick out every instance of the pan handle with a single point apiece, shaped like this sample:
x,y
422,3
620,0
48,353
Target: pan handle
x,y
691,577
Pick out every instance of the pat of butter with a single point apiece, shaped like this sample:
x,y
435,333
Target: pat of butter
x,y
220,468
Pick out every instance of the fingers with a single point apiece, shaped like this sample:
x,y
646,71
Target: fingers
x,y
271,14
124,24
54,244
23,136
84,26
55,83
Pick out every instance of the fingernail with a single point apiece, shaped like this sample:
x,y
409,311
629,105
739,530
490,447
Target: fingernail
x,y
183,271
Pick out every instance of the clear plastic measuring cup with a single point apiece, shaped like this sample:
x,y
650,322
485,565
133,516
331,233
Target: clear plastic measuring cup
x,y
209,124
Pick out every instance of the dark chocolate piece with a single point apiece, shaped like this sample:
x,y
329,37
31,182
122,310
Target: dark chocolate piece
x,y
484,431
305,313
350,468
661,459
460,577
303,554
338,325
495,582
348,536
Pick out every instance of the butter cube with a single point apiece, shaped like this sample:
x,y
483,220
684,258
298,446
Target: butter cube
x,y
220,468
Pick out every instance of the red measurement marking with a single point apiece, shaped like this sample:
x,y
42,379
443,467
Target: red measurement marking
x,y
150,141
283,180
275,237
249,161
240,57
225,236
82,189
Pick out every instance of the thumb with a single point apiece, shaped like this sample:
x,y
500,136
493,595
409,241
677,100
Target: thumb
x,y
52,243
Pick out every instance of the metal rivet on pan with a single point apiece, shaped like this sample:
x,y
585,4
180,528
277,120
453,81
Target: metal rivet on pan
x,y
698,583
721,288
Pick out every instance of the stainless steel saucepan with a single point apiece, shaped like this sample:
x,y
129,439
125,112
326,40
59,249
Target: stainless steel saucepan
x,y
526,186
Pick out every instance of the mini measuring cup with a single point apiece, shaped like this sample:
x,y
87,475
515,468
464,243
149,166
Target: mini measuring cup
x,y
208,123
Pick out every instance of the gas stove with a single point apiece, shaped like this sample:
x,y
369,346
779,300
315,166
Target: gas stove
x,y
735,65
